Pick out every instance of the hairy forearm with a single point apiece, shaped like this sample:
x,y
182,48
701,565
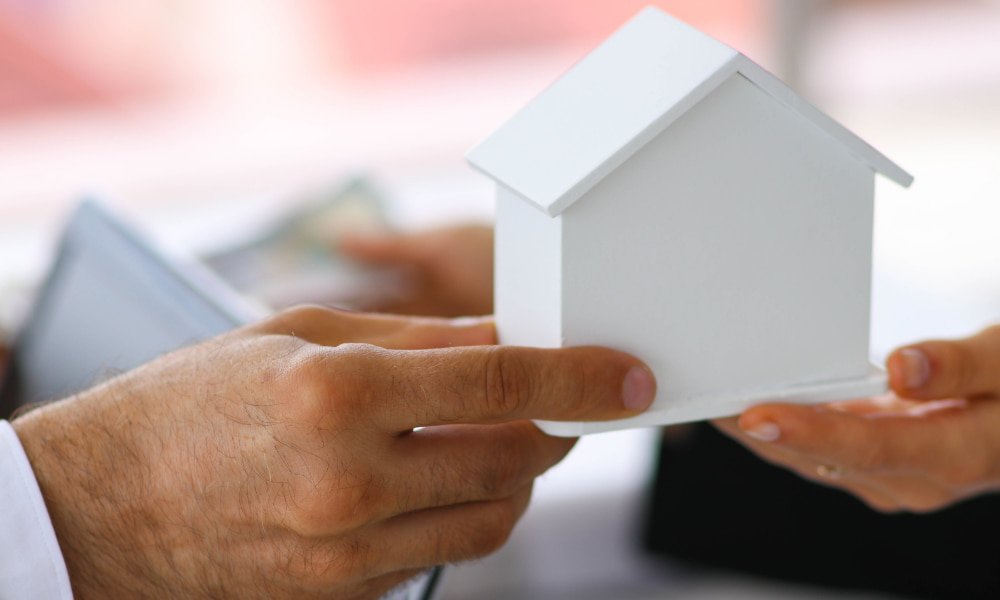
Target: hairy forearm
x,y
73,452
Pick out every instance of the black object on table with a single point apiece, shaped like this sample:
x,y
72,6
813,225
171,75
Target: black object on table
x,y
716,505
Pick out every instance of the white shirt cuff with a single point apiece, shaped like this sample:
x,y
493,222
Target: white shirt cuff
x,y
31,564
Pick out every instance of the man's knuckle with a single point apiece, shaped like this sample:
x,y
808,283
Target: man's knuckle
x,y
307,312
308,380
355,561
505,382
309,518
324,565
329,386
355,502
335,503
504,476
299,319
474,537
495,529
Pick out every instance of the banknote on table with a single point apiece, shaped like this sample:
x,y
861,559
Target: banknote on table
x,y
295,259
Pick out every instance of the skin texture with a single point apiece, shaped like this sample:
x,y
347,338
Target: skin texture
x,y
281,461
935,441
449,270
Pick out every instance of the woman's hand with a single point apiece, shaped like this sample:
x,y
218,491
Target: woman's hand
x,y
449,270
934,442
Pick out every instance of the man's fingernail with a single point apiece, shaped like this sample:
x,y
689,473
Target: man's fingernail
x,y
764,432
638,388
916,368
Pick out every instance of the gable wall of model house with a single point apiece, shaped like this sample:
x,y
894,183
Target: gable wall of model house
x,y
742,222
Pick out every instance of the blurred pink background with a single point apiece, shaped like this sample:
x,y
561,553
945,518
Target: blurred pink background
x,y
167,105
412,31
198,116
60,53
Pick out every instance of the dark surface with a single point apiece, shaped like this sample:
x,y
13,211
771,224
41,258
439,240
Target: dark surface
x,y
715,504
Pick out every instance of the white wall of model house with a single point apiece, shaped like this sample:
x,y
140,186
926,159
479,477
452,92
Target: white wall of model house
x,y
714,226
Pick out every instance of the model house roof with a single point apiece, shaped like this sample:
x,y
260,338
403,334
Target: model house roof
x,y
621,96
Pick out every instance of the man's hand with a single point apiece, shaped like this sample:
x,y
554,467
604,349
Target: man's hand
x,y
282,460
935,442
449,271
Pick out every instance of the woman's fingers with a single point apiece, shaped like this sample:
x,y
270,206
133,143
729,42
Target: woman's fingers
x,y
882,491
891,405
953,447
870,492
859,442
928,446
946,369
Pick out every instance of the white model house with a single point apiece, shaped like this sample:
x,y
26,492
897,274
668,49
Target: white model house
x,y
670,198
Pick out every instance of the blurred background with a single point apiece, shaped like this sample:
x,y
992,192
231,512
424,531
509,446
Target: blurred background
x,y
200,115
204,118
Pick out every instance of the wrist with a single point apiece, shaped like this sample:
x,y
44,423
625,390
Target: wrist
x,y
70,457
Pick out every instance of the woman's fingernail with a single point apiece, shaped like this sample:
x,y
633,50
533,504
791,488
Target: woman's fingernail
x,y
916,368
764,432
638,389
